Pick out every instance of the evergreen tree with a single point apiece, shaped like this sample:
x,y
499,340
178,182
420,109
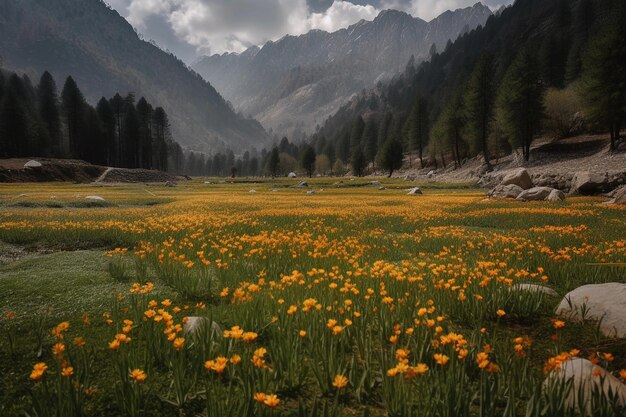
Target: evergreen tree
x,y
144,116
130,134
307,159
449,125
583,16
358,162
604,66
391,156
48,109
329,151
274,160
107,119
13,120
520,101
161,130
357,132
479,105
370,141
417,128
73,105
118,106
343,147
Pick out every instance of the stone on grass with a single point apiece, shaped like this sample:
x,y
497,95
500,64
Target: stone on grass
x,y
415,191
604,303
94,198
506,191
519,177
252,191
170,184
292,175
535,288
430,174
311,192
33,164
556,195
195,324
587,380
588,183
302,184
535,194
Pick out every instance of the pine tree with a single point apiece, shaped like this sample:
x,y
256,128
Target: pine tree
x,y
391,156
161,138
144,115
73,105
118,106
13,120
307,159
358,162
357,132
130,135
520,100
417,128
448,128
604,66
48,109
274,160
107,118
370,141
479,105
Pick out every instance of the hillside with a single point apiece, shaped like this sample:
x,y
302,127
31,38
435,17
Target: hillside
x,y
103,53
293,84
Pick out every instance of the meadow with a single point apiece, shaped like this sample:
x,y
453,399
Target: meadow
x,y
212,300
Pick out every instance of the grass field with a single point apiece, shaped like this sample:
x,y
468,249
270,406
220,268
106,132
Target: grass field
x,y
350,301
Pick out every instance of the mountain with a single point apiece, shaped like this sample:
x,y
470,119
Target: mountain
x,y
294,84
103,53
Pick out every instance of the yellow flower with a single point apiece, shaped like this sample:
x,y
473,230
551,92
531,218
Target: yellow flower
x,y
441,359
249,336
79,342
67,372
271,401
340,381
38,370
622,374
138,375
558,324
302,333
259,397
501,313
58,349
235,359
179,342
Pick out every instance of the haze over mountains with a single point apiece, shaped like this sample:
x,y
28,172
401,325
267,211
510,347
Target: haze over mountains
x,y
103,53
292,85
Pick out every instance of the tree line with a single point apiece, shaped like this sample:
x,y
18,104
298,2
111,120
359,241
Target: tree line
x,y
119,132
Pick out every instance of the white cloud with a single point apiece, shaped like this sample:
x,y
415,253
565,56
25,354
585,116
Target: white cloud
x,y
429,9
216,26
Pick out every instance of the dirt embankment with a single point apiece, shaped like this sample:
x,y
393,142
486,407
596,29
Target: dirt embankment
x,y
70,170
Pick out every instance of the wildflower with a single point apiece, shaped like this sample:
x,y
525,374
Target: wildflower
x,y
340,381
235,359
179,343
259,397
622,374
501,313
441,359
67,372
249,336
38,370
58,349
138,375
10,315
271,401
79,342
558,324
402,354
302,333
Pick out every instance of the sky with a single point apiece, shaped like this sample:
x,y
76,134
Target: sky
x,y
192,28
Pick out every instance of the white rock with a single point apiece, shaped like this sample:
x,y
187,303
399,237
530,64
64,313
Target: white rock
x,y
535,194
586,379
506,191
430,174
94,198
302,184
252,191
292,175
194,324
519,177
605,303
311,192
414,191
556,195
535,288
33,164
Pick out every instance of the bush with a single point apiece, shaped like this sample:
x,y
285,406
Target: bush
x,y
564,113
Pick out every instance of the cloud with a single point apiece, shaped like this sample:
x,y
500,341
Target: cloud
x,y
216,26
429,9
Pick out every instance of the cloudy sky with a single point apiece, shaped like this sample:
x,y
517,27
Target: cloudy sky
x,y
190,28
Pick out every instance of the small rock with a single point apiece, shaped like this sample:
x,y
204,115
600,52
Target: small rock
x,y
430,174
415,191
302,184
292,175
381,188
535,288
587,379
94,198
274,191
33,164
311,192
194,324
535,194
170,184
506,191
252,191
556,195
600,302
208,182
519,177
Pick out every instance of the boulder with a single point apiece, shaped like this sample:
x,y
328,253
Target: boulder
x,y
292,175
33,164
302,184
618,196
535,288
535,194
381,188
415,191
430,174
556,195
94,198
588,183
506,191
586,381
604,303
519,177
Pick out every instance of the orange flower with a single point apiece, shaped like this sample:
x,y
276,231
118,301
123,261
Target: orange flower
x,y
179,342
259,397
501,313
67,372
558,324
58,349
441,359
79,342
340,381
302,333
38,370
271,401
138,375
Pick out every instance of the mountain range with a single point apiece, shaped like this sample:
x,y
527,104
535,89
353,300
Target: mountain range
x,y
292,85
103,53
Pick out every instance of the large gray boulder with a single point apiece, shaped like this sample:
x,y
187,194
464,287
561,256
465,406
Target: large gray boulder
x,y
586,381
588,183
33,164
556,195
519,177
535,194
604,303
506,191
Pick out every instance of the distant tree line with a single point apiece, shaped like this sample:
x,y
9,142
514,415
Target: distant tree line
x,y
120,131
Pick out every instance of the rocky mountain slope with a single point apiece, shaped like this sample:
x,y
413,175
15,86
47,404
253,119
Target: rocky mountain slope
x,y
294,84
94,44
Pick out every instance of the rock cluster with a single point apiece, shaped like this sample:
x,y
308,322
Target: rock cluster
x,y
519,185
